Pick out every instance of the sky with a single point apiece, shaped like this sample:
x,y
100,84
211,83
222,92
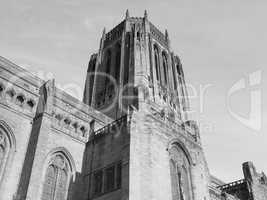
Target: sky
x,y
222,45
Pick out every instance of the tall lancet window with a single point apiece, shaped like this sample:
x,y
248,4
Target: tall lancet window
x,y
178,68
165,68
57,178
180,174
108,63
156,61
6,147
107,71
3,150
118,62
181,84
174,75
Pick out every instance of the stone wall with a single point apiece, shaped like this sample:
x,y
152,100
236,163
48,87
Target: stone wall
x,y
257,182
40,120
18,88
107,147
149,158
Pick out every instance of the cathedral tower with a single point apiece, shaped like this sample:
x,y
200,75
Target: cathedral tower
x,y
151,150
135,64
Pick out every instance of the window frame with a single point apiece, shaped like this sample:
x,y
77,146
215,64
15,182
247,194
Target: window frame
x,y
117,173
8,156
69,169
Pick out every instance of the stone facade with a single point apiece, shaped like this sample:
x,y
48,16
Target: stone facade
x,y
38,120
130,138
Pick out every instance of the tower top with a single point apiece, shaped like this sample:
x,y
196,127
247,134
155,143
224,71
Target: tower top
x,y
156,68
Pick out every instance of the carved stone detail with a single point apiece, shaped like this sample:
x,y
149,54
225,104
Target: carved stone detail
x,y
11,96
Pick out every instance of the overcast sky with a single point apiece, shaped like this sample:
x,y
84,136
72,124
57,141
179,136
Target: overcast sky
x,y
219,43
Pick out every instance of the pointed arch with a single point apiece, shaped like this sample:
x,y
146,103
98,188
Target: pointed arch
x,y
156,61
7,147
67,154
179,144
59,170
180,170
8,129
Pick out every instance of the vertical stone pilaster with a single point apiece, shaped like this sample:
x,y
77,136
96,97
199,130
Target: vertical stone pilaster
x,y
98,63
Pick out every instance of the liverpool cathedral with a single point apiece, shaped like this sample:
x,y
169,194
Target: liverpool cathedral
x,y
129,139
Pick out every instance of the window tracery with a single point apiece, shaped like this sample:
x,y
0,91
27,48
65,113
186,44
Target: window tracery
x,y
56,179
180,174
6,146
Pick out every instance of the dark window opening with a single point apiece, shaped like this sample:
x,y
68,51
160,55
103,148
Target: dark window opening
x,y
109,179
108,65
30,103
178,70
118,63
98,178
20,99
118,178
138,36
107,72
1,88
156,59
165,70
174,75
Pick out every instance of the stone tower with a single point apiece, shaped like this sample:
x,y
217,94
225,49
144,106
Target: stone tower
x,y
133,142
135,64
151,150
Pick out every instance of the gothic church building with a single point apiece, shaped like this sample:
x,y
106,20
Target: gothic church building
x,y
130,138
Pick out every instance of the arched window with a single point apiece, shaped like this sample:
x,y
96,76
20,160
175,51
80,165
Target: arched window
x,y
118,62
6,146
165,68
57,176
107,71
156,60
108,62
180,174
181,84
178,70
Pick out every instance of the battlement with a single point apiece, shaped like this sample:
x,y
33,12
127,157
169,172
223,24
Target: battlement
x,y
112,127
158,35
116,32
232,186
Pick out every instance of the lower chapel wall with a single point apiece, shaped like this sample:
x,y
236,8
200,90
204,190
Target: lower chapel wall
x,y
107,162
